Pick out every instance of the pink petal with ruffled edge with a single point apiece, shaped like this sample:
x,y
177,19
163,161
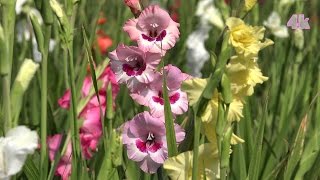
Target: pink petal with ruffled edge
x,y
154,30
131,65
145,139
148,165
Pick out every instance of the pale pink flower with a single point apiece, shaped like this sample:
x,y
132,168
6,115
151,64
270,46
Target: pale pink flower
x,y
64,101
154,30
151,94
131,65
64,165
145,139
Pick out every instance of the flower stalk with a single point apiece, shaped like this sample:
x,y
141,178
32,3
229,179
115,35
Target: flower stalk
x,y
8,23
48,20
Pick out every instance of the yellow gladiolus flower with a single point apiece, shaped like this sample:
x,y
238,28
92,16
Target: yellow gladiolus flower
x,y
244,74
246,39
194,87
180,166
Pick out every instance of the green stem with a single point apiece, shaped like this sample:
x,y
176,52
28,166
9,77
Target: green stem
x,y
47,15
6,102
44,98
73,114
196,142
8,22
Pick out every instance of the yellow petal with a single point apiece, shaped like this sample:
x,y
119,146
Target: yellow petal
x,y
180,166
246,40
244,74
235,110
236,140
193,88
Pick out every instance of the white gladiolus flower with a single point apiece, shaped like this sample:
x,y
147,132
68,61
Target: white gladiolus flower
x,y
197,54
274,24
208,13
19,5
14,148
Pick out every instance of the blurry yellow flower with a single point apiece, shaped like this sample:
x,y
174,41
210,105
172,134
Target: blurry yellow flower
x,y
246,39
209,129
244,74
194,87
248,4
180,166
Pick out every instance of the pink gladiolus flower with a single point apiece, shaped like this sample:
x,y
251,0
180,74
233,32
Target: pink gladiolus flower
x,y
151,95
64,165
91,131
145,139
154,30
64,101
131,65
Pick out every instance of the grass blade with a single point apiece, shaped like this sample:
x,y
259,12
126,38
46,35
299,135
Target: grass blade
x,y
254,167
170,133
297,149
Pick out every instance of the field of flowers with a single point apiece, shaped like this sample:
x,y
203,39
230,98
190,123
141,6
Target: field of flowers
x,y
159,89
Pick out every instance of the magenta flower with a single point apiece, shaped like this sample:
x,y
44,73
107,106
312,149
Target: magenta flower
x,y
106,77
90,131
154,30
145,139
64,101
64,165
151,95
131,65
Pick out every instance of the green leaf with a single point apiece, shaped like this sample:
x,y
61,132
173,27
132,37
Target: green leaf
x,y
254,167
38,32
4,65
309,156
196,144
30,169
297,149
170,133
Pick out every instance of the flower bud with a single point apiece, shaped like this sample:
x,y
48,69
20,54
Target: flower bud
x,y
298,38
134,5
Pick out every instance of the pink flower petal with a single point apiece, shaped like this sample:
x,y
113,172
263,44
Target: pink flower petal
x,y
134,153
154,30
64,101
148,165
131,28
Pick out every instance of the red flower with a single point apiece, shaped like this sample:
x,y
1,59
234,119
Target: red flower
x,y
104,42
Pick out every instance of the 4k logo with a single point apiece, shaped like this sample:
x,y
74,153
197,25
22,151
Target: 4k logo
x,y
297,21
